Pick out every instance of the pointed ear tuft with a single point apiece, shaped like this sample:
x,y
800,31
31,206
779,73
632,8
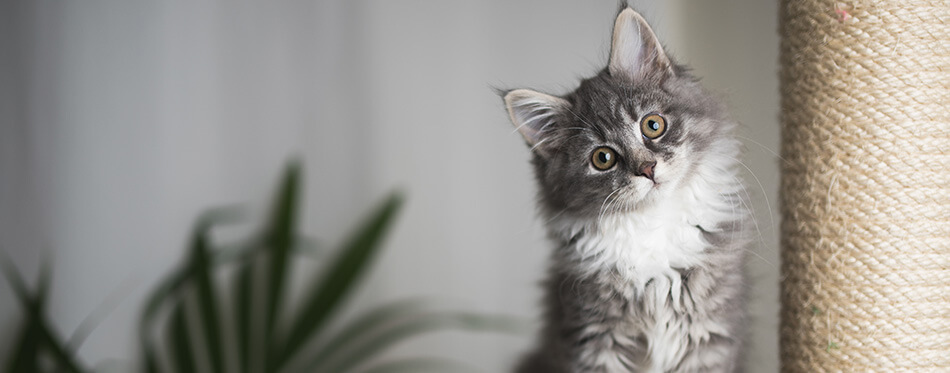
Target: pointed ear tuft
x,y
635,52
532,112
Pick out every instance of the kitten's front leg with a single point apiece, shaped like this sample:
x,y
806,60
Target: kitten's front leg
x,y
714,308
609,352
718,355
590,347
596,331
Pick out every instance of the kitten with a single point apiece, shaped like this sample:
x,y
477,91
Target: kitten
x,y
639,186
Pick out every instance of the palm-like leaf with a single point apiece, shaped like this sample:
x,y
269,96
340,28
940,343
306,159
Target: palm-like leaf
x,y
343,273
279,238
183,350
36,338
208,301
243,287
419,365
359,329
192,315
373,341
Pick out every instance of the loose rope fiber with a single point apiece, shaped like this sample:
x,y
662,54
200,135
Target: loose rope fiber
x,y
865,185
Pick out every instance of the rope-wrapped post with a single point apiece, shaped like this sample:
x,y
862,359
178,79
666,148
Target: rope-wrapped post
x,y
865,185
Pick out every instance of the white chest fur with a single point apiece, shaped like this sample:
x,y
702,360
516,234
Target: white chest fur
x,y
641,246
650,246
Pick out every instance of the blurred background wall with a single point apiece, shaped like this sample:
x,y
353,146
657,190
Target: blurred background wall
x,y
120,121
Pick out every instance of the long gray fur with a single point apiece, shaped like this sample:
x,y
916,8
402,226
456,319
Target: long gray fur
x,y
646,275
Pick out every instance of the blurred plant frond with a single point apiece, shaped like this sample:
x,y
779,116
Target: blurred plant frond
x,y
227,308
37,348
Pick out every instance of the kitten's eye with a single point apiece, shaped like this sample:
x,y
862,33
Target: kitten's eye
x,y
603,158
652,126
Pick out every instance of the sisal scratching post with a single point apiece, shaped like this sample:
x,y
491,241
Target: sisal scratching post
x,y
865,185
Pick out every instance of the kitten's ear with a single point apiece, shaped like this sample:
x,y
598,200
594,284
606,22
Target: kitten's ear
x,y
635,52
532,112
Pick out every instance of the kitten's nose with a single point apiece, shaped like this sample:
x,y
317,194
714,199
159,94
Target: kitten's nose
x,y
646,170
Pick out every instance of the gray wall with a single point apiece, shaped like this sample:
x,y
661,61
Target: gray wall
x,y
121,121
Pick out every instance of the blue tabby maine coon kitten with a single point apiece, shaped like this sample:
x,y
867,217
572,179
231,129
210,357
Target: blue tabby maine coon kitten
x,y
639,188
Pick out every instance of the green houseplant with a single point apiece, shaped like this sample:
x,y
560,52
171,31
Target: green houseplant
x,y
229,310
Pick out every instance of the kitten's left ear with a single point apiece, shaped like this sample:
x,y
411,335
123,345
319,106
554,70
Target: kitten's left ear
x,y
635,52
533,112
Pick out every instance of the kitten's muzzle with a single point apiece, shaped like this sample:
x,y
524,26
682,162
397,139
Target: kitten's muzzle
x,y
646,170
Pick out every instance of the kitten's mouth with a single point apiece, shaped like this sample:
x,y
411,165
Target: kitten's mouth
x,y
654,183
637,196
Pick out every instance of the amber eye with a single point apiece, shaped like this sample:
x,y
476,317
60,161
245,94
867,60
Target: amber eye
x,y
603,158
652,126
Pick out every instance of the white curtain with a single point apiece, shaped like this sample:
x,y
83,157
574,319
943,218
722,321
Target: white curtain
x,y
120,121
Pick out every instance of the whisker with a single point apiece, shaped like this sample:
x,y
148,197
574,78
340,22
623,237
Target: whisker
x,y
571,128
763,147
557,139
555,216
762,188
527,121
745,199
605,202
582,119
747,205
762,258
608,212
537,144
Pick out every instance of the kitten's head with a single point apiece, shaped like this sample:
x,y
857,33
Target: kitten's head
x,y
638,132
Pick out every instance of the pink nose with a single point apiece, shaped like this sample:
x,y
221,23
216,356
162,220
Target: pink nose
x,y
646,170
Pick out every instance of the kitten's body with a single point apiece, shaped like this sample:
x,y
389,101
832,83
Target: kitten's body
x,y
647,274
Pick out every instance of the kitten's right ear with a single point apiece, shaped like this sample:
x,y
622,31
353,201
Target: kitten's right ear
x,y
635,52
533,112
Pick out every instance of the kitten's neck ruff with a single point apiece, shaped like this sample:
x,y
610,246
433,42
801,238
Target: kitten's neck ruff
x,y
655,241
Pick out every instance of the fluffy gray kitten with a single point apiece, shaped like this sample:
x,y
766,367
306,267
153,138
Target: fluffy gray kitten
x,y
639,188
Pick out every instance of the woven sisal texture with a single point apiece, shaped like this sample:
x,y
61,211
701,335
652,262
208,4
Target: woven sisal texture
x,y
865,185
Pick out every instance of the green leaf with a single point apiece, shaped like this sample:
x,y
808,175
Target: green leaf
x,y
182,359
97,316
410,327
342,273
61,357
362,327
419,365
166,290
207,298
24,358
280,240
43,283
242,251
37,334
243,290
